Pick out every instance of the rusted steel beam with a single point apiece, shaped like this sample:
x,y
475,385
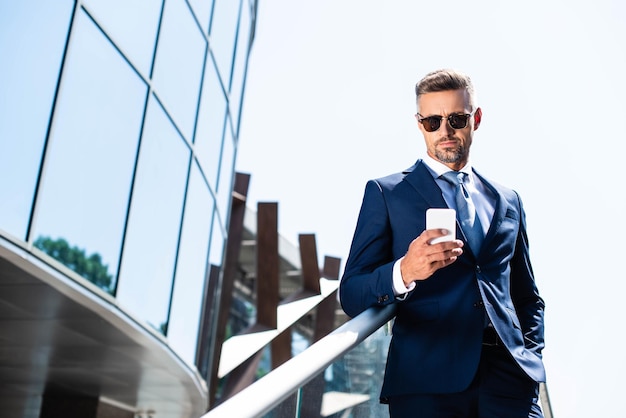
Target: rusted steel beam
x,y
331,267
224,293
241,377
310,266
281,348
313,392
325,314
267,264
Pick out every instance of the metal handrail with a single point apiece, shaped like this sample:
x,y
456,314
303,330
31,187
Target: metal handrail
x,y
266,393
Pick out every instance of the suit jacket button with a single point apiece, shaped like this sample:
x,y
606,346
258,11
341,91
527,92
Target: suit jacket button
x,y
382,299
478,269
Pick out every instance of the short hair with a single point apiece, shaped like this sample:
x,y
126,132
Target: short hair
x,y
444,80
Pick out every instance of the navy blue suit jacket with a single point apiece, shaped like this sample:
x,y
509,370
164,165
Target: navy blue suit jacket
x,y
438,329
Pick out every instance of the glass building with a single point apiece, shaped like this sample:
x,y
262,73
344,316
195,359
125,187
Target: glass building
x,y
119,127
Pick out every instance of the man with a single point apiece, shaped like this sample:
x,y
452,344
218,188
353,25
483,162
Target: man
x,y
468,332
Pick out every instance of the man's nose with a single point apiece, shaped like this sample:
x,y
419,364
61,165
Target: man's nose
x,y
445,127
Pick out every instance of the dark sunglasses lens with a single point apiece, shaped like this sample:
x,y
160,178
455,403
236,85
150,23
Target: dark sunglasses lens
x,y
431,123
458,121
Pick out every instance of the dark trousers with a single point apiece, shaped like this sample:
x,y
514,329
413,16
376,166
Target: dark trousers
x,y
499,390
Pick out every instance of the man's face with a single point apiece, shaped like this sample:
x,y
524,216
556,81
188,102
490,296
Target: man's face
x,y
446,144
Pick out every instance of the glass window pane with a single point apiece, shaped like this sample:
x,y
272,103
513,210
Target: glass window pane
x,y
27,82
225,187
241,61
147,268
132,25
218,241
202,10
178,65
223,31
191,268
92,150
211,119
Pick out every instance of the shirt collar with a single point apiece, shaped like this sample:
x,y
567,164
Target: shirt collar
x,y
438,168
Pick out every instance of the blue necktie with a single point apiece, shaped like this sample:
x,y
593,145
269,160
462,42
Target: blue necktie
x,y
466,211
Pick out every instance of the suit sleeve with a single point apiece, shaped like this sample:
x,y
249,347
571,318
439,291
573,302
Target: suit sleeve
x,y
524,293
367,279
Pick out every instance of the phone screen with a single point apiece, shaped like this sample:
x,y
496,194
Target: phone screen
x,y
442,218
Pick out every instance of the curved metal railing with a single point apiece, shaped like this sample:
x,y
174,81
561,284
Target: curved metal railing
x,y
264,394
268,392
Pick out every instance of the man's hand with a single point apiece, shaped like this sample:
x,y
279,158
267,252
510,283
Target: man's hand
x,y
423,258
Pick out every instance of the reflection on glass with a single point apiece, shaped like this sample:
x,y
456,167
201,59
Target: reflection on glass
x,y
27,85
191,268
132,25
223,30
88,266
208,141
92,148
147,268
178,66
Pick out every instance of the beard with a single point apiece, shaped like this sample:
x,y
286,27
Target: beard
x,y
451,154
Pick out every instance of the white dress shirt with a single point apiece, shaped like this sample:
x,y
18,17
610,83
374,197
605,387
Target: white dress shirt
x,y
483,198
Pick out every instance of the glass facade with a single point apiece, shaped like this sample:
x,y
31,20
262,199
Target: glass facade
x,y
118,137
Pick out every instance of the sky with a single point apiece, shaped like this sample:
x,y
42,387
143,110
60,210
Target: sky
x,y
330,102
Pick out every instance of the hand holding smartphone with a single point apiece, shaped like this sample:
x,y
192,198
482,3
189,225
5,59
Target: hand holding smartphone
x,y
437,218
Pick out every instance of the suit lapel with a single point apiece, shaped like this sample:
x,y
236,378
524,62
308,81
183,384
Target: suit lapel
x,y
422,181
499,210
420,178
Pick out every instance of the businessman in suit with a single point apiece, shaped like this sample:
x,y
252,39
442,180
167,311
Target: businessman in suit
x,y
468,332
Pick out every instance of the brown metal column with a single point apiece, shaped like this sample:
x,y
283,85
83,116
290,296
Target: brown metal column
x,y
241,377
313,392
267,293
224,294
267,264
325,314
310,267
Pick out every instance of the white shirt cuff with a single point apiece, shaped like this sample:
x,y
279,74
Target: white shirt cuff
x,y
400,290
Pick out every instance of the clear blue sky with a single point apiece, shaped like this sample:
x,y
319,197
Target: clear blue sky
x,y
330,104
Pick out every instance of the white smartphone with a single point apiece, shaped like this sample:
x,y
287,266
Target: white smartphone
x,y
441,218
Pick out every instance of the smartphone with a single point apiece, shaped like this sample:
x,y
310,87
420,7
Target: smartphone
x,y
441,218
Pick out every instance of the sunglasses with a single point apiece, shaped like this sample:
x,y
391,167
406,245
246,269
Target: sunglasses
x,y
455,120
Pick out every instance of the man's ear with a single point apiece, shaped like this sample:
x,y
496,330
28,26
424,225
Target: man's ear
x,y
478,116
